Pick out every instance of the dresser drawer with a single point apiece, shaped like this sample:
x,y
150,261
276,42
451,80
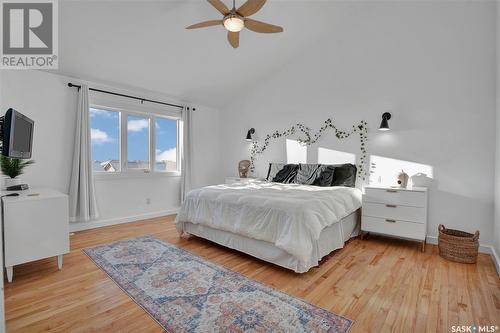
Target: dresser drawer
x,y
395,197
393,227
396,212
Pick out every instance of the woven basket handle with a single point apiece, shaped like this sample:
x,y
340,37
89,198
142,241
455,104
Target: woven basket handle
x,y
476,236
441,228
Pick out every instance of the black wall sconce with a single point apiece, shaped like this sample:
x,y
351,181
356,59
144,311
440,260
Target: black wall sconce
x,y
384,125
250,132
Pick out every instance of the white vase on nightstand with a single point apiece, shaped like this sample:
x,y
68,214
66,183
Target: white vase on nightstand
x,y
11,181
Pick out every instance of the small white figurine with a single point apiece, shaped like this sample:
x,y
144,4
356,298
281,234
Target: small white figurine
x,y
403,179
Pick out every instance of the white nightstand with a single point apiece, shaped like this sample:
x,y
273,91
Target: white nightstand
x,y
396,212
35,226
232,180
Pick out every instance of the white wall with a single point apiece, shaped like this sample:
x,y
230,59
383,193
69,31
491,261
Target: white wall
x,y
46,98
496,231
431,64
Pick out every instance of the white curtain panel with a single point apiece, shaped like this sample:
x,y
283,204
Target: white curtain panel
x,y
186,151
82,201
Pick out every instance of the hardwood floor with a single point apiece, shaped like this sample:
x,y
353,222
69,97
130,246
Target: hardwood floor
x,y
384,285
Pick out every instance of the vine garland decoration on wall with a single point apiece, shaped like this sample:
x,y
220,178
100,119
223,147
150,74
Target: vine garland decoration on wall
x,y
310,138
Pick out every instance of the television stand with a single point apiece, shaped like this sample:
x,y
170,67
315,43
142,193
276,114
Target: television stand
x,y
38,217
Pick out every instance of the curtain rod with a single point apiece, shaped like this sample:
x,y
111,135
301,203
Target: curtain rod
x,y
71,85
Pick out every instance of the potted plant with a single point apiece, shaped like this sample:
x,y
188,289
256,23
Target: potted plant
x,y
12,168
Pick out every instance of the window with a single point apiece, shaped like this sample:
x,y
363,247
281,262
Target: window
x,y
166,144
137,143
105,139
127,141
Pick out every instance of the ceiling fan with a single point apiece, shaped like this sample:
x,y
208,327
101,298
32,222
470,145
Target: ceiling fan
x,y
235,20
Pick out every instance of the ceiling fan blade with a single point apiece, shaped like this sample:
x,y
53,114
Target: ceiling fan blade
x,y
204,24
250,7
233,38
220,6
262,27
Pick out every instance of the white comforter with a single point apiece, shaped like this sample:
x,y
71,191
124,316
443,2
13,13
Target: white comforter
x,y
291,216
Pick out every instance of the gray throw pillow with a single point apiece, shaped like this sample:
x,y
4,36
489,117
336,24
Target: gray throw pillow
x,y
308,173
273,170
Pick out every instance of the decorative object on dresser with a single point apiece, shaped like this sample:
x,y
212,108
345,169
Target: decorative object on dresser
x,y
395,212
457,245
187,293
421,180
38,217
403,179
243,168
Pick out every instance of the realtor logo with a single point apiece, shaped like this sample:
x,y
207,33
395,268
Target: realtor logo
x,y
29,34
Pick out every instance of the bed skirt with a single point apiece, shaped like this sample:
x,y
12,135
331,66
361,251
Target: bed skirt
x,y
331,238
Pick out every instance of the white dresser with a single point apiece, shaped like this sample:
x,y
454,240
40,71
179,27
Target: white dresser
x,y
395,212
35,226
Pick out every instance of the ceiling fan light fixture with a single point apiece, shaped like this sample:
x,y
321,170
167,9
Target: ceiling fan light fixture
x,y
234,23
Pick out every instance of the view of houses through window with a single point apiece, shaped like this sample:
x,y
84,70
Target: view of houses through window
x,y
108,138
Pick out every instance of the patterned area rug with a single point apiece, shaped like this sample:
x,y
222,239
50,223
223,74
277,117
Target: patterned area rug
x,y
186,293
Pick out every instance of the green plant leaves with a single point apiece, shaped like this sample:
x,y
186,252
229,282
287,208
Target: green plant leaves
x,y
13,167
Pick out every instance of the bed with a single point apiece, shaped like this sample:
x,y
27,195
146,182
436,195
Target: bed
x,y
288,224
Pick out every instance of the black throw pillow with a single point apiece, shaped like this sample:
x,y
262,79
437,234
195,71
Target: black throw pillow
x,y
287,174
344,175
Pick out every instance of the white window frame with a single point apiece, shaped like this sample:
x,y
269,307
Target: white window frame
x,y
123,114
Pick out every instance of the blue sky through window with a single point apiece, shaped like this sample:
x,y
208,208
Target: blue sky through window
x,y
166,139
138,141
105,135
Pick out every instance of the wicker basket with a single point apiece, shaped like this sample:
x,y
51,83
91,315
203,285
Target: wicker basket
x,y
459,246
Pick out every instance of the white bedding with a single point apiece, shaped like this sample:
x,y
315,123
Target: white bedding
x,y
290,216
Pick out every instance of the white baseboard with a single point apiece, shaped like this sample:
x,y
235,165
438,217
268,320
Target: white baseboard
x,y
489,249
79,226
496,259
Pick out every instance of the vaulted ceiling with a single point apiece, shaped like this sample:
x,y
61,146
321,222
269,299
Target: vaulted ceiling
x,y
145,44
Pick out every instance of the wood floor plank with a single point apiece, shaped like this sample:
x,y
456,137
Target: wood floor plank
x,y
383,284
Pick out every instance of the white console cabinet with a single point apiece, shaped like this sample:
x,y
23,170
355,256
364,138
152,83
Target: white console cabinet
x,y
2,305
35,226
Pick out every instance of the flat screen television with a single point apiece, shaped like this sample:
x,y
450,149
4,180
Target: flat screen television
x,y
17,135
